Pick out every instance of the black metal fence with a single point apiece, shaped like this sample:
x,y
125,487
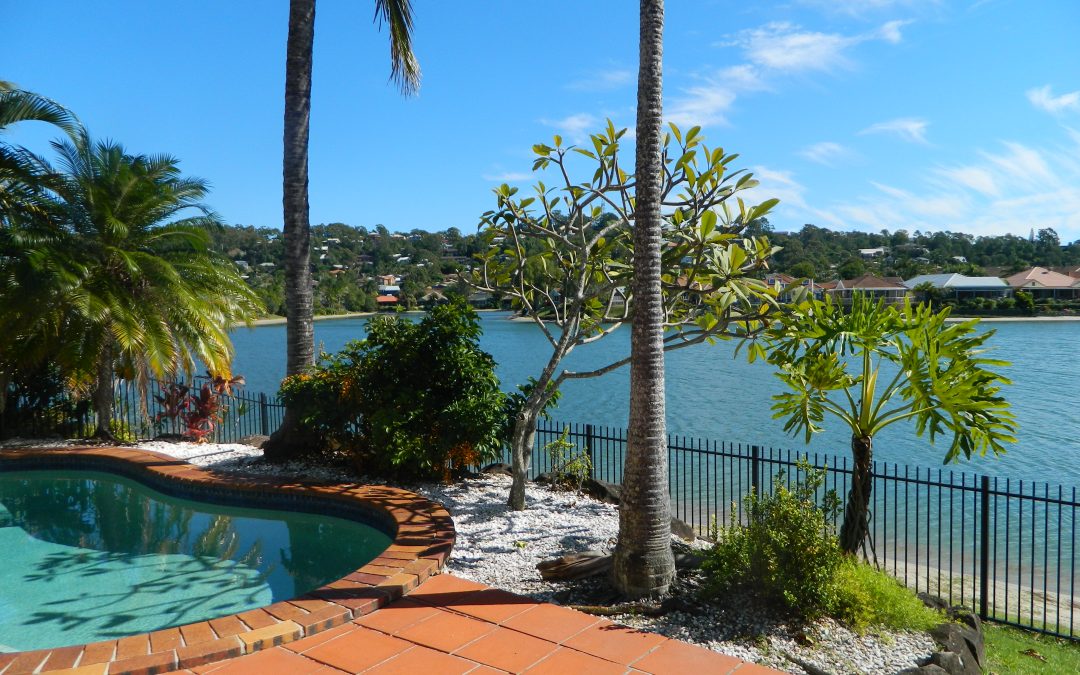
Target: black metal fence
x,y
1004,548
137,413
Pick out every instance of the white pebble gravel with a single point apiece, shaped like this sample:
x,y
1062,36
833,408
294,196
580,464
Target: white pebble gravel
x,y
500,547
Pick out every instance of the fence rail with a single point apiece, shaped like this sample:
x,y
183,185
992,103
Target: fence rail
x,y
1006,549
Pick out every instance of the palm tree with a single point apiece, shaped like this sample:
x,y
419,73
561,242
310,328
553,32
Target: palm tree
x,y
138,289
643,563
300,335
25,223
830,357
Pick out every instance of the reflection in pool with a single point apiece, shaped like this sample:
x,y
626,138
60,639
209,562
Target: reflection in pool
x,y
92,556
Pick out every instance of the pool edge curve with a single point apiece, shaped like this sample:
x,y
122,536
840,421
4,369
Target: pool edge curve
x,y
422,535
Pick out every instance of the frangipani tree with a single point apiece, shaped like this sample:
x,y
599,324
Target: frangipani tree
x,y
565,258
830,356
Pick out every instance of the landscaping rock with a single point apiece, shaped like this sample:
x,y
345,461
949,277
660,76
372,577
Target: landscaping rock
x,y
928,669
682,530
965,642
603,491
499,468
254,440
949,662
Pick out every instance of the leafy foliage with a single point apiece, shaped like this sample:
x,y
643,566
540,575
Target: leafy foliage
x,y
564,256
784,554
412,400
570,467
199,410
787,556
831,357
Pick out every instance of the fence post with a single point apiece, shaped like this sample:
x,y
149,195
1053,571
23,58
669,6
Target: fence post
x,y
590,445
984,547
755,457
264,414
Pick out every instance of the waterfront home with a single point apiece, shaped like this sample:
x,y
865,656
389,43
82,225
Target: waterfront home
x,y
386,301
1043,283
781,281
890,289
959,286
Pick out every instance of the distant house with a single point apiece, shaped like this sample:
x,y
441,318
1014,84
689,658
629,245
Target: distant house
x,y
390,290
871,253
890,289
388,279
780,281
387,301
959,259
960,286
482,300
1044,283
432,297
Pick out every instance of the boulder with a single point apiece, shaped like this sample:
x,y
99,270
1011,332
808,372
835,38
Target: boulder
x,y
498,468
950,662
255,440
682,529
965,642
603,490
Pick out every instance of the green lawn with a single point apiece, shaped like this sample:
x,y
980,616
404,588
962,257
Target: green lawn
x,y
1010,650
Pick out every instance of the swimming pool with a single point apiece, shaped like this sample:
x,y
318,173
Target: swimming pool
x,y
91,555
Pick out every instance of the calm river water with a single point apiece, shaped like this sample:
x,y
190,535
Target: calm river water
x,y
713,395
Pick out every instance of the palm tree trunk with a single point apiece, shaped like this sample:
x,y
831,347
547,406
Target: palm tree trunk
x,y
643,562
288,440
103,394
856,511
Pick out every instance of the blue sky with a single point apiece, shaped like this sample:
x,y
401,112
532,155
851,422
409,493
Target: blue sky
x,y
857,114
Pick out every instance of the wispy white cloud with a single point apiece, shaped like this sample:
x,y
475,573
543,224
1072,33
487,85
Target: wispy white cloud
x,y
786,47
605,80
826,152
1011,189
506,177
972,177
890,31
576,127
864,8
910,129
705,105
772,51
1043,99
1021,164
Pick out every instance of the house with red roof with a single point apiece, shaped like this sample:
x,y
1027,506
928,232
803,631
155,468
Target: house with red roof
x,y
890,289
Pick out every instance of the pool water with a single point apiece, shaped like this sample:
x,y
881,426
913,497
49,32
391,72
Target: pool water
x,y
87,556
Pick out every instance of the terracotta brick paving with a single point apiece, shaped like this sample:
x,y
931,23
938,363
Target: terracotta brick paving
x,y
444,624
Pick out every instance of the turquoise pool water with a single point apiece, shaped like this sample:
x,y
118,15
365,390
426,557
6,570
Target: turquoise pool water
x,y
88,556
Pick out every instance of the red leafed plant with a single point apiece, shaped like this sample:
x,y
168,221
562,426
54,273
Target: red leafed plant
x,y
200,411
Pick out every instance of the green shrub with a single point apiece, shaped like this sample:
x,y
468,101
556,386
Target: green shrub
x,y
413,400
867,597
785,554
570,467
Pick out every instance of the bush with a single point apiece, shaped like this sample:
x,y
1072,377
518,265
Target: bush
x,y
413,400
787,557
867,597
570,467
785,554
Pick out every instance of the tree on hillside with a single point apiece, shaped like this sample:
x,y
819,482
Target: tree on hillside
x,y
569,267
405,71
132,285
831,357
644,564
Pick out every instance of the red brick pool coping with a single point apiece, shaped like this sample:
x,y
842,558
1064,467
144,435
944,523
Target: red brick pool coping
x,y
444,625
422,543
